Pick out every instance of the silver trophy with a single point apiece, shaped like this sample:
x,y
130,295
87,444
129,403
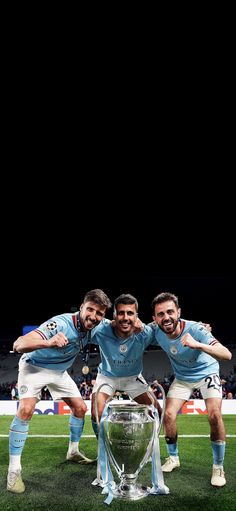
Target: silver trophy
x,y
129,432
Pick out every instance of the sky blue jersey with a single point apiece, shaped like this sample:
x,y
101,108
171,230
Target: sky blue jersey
x,y
120,357
59,359
188,364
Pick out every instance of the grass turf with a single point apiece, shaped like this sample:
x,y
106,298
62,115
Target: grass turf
x,y
53,484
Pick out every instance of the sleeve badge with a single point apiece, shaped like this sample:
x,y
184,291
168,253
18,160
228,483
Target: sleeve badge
x,y
51,326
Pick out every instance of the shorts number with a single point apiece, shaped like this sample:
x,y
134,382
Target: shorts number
x,y
213,382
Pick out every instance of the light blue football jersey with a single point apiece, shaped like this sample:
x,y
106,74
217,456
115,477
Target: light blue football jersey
x,y
188,364
120,357
60,359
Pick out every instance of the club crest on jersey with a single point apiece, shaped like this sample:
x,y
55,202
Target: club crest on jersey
x,y
123,348
173,350
23,389
52,325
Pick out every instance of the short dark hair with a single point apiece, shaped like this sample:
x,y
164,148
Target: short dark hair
x,y
126,299
165,297
98,296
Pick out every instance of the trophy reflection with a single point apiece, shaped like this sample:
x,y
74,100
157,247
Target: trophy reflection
x,y
129,433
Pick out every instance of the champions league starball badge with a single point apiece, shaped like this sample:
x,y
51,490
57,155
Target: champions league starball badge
x,y
52,325
85,369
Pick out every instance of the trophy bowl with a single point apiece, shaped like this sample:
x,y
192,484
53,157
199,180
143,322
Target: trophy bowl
x,y
129,433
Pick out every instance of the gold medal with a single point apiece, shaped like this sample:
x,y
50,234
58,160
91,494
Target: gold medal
x,y
85,369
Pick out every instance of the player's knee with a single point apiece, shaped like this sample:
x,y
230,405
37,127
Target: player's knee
x,y
170,415
25,411
83,407
214,416
80,409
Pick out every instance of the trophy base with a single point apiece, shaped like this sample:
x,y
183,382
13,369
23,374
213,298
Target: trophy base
x,y
130,492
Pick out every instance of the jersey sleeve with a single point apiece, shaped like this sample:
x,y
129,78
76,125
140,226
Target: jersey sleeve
x,y
154,329
99,329
200,333
146,335
51,327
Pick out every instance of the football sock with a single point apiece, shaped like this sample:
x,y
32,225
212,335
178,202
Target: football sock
x,y
95,428
172,446
172,449
76,428
218,449
17,437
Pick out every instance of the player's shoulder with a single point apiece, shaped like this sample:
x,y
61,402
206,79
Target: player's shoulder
x,y
66,318
56,323
153,326
188,323
104,324
195,326
103,327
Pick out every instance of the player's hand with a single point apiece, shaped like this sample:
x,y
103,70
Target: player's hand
x,y
207,326
138,326
58,341
188,340
14,347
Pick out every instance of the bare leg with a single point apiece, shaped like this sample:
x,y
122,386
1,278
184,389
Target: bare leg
x,y
217,427
26,408
77,406
101,401
171,435
172,408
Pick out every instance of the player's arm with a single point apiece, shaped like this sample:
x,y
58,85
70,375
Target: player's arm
x,y
207,326
34,341
216,349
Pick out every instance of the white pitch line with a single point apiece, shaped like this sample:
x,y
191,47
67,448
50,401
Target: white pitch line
x,y
93,436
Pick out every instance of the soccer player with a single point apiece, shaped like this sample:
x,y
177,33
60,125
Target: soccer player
x,y
192,351
121,351
48,352
122,344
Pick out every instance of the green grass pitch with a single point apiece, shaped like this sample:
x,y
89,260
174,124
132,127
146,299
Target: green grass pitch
x,y
53,485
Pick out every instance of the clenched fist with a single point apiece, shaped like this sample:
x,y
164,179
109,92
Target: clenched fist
x,y
58,341
188,340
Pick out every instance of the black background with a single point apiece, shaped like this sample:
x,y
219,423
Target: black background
x,y
35,288
121,231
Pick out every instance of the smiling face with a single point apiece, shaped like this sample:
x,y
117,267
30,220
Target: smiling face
x,y
166,316
91,314
125,316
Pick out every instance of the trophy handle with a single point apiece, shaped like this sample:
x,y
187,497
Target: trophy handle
x,y
98,423
96,400
152,397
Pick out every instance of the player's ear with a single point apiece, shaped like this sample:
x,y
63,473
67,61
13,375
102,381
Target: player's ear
x,y
179,313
